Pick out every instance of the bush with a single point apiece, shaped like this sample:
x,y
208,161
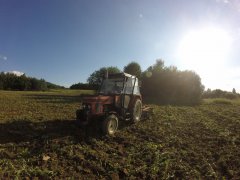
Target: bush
x,y
218,93
83,86
222,101
167,85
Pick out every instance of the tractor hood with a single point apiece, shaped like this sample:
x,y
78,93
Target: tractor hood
x,y
98,99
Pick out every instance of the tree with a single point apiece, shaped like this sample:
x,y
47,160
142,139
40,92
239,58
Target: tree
x,y
10,81
96,77
54,86
2,79
218,93
38,85
133,68
168,85
82,86
234,91
158,66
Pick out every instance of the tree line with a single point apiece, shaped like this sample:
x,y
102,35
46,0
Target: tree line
x,y
10,81
160,84
84,86
95,79
218,93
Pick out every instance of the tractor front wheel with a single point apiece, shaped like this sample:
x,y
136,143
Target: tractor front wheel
x,y
137,111
110,125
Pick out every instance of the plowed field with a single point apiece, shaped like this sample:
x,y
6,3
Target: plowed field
x,y
39,138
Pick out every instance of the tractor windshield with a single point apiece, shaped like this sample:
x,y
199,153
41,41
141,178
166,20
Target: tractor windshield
x,y
112,86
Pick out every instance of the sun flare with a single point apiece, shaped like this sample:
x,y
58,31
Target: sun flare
x,y
204,48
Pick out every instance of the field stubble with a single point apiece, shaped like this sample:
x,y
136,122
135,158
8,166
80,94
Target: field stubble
x,y
38,138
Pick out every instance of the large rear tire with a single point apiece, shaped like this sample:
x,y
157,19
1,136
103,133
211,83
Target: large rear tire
x,y
137,111
110,125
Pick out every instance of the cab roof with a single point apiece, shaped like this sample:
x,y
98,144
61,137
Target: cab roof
x,y
121,75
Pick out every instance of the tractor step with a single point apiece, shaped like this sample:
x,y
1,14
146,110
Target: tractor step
x,y
128,117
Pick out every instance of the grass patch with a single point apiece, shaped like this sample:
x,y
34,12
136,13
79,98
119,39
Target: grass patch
x,y
222,101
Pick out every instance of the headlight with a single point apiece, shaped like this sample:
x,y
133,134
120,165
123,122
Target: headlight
x,y
86,106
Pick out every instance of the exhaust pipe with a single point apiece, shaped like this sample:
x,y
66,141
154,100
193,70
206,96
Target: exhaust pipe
x,y
106,74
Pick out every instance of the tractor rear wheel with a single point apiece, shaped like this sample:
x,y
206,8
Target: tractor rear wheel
x,y
110,125
137,111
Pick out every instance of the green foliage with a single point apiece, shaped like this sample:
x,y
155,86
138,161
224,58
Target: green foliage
x,y
83,86
133,68
54,86
160,84
9,81
218,93
234,91
157,67
97,76
167,85
221,101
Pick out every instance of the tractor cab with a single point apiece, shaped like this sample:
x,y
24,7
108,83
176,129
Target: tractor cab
x,y
121,83
118,99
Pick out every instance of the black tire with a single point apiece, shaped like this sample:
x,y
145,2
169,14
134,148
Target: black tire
x,y
81,118
110,125
137,111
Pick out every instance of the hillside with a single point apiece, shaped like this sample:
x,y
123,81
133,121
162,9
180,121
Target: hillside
x,y
38,138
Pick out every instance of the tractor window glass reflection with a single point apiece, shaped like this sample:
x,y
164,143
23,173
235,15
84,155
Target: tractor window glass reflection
x,y
136,88
129,86
111,86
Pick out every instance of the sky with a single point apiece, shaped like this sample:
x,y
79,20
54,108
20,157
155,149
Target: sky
x,y
64,41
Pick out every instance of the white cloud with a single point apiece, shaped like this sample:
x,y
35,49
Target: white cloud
x,y
140,16
3,57
17,73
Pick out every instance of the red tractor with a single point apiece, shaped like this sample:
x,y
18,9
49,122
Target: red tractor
x,y
118,99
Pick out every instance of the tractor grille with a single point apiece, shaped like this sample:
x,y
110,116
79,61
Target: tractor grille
x,y
86,107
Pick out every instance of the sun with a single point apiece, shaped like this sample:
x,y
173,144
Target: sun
x,y
204,49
